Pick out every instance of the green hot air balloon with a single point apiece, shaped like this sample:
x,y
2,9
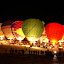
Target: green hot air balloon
x,y
33,29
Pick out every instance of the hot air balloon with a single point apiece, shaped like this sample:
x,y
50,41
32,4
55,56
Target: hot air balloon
x,y
17,30
6,28
54,31
32,29
1,33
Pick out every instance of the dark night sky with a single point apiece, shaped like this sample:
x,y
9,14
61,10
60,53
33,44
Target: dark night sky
x,y
48,13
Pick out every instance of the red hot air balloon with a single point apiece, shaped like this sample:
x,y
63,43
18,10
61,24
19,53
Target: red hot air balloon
x,y
54,31
63,29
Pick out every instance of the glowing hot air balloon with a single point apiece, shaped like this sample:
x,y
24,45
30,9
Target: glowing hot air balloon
x,y
17,30
6,28
54,31
1,33
32,29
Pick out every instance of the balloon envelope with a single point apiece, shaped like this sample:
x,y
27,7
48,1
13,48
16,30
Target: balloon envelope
x,y
6,28
17,30
32,29
54,31
1,33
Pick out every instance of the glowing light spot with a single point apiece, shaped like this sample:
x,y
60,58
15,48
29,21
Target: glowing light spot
x,y
55,52
20,39
53,43
10,39
1,37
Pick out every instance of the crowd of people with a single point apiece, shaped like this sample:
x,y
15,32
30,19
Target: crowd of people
x,y
44,53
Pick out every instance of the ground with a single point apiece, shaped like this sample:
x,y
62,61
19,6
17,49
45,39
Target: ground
x,y
29,59
6,58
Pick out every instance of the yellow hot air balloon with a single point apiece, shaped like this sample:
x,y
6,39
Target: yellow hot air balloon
x,y
17,30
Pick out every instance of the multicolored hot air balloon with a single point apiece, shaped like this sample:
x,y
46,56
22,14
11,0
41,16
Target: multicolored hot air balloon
x,y
54,31
33,29
17,30
6,28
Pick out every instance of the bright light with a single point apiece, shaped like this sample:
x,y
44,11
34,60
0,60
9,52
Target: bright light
x,y
40,40
20,39
46,40
61,47
53,43
1,37
10,39
31,39
55,52
45,44
34,42
60,42
26,45
31,42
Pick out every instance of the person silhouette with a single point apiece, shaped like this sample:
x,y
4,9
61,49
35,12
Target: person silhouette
x,y
15,50
11,51
38,52
29,51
